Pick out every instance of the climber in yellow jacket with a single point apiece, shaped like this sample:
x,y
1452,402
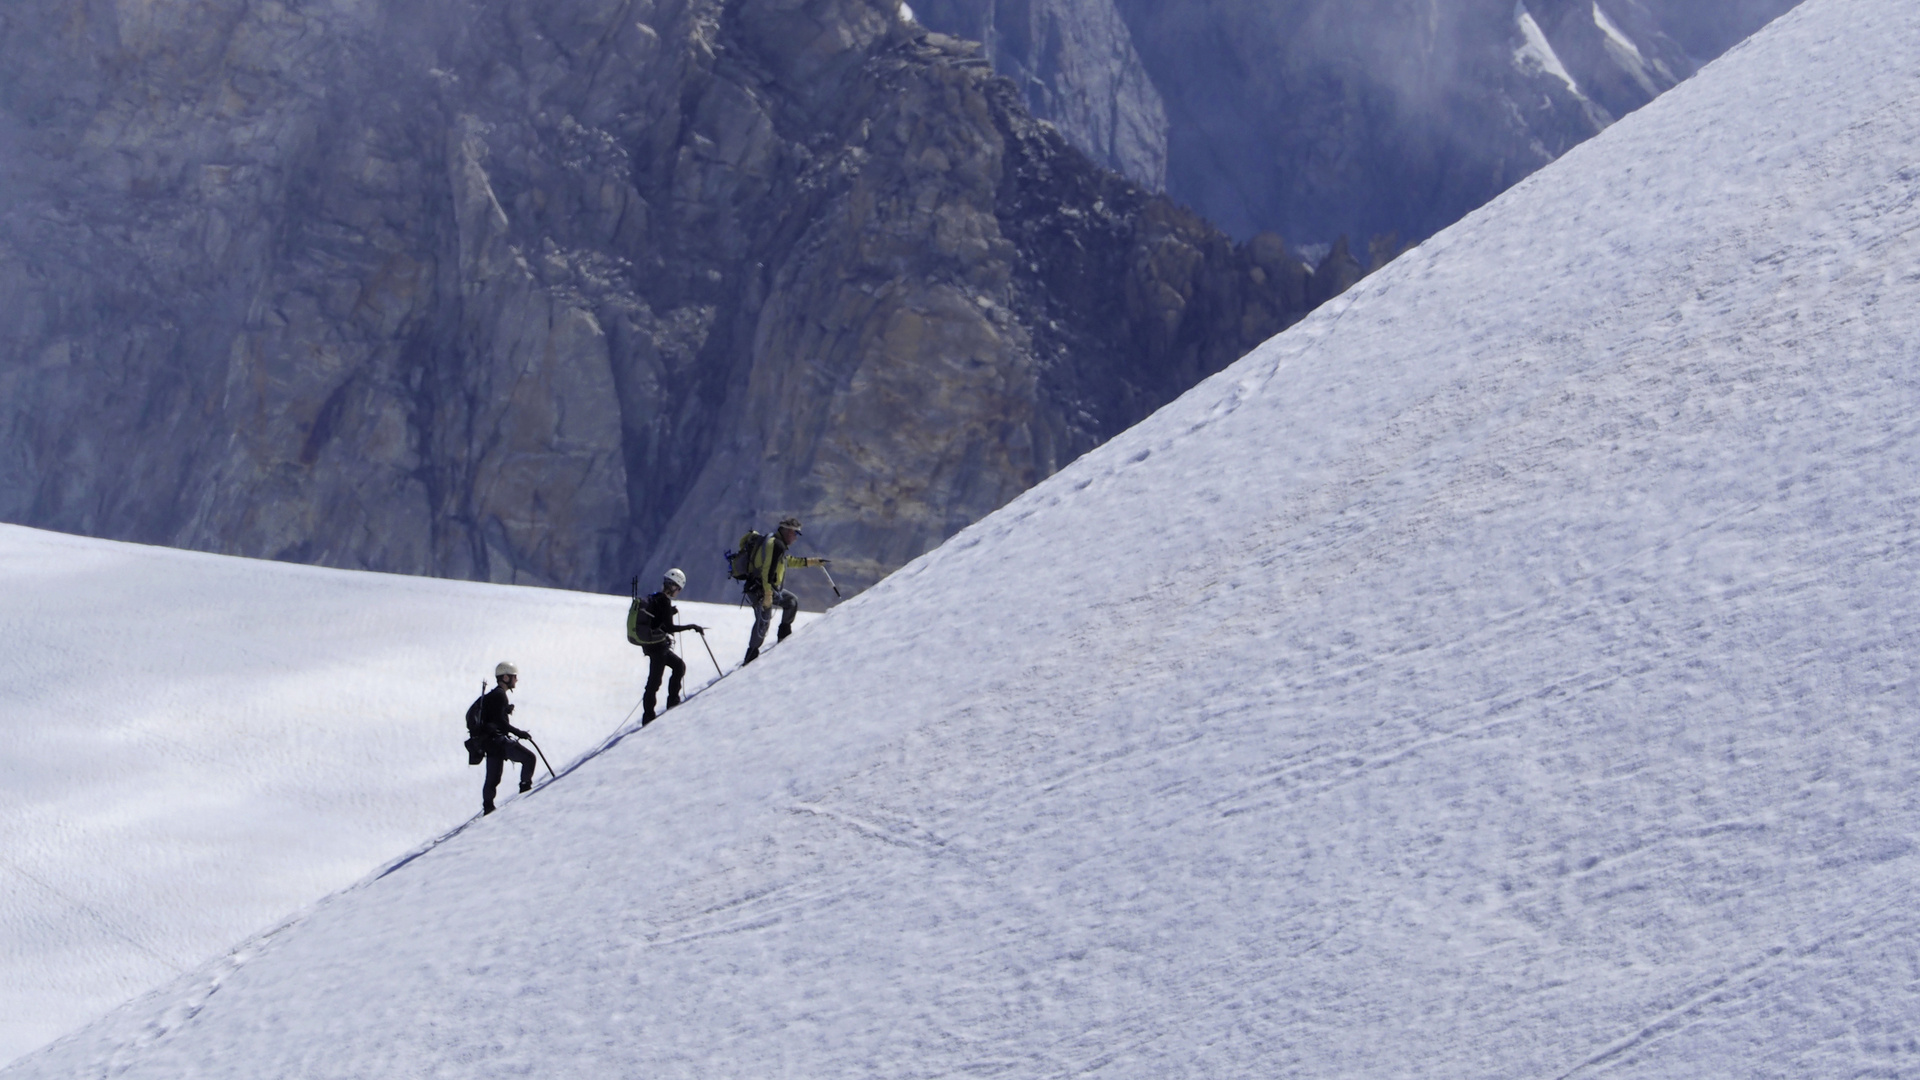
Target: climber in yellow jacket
x,y
766,574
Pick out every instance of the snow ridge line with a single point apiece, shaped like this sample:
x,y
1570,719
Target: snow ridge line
x,y
757,916
1364,760
870,829
210,977
99,917
621,731
1729,986
1484,713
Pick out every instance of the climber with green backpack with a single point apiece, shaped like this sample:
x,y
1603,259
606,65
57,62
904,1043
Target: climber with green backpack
x,y
650,625
761,562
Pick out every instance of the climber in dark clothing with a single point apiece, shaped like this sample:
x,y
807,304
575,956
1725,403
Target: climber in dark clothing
x,y
497,736
652,630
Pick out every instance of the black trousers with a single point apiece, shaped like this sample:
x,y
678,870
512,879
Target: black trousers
x,y
500,751
657,664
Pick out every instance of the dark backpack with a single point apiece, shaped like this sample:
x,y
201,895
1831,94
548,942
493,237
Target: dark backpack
x,y
740,563
476,747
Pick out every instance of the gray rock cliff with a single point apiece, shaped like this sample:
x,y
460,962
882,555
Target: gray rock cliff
x,y
551,291
1076,66
1322,118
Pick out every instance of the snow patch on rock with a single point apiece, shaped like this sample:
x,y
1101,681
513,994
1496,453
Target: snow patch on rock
x,y
1535,53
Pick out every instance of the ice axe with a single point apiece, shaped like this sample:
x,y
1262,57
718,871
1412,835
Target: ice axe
x,y
829,573
543,758
716,660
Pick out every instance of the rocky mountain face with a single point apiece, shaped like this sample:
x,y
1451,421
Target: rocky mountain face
x,y
1074,64
551,291
1317,118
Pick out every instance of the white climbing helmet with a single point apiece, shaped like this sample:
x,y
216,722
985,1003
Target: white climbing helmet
x,y
675,578
504,668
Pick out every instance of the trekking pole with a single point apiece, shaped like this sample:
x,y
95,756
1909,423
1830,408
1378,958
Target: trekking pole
x,y
543,758
829,573
716,660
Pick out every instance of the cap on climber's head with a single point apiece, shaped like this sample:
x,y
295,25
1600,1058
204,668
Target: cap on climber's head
x,y
791,523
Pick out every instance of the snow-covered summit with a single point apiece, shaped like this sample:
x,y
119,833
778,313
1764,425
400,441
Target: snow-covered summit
x,y
1510,671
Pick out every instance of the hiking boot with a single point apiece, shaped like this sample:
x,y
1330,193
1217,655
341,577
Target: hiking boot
x,y
646,718
672,702
526,787
785,633
752,655
486,809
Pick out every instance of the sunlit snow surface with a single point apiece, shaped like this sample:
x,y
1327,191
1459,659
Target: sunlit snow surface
x,y
1509,672
198,746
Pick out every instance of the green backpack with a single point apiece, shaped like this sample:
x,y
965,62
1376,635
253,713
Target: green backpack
x,y
634,612
640,628
740,562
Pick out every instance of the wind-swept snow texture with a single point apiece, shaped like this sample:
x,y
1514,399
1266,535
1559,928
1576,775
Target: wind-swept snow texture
x,y
196,746
1509,672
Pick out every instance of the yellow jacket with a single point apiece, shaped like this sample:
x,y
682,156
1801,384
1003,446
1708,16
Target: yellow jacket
x,y
770,563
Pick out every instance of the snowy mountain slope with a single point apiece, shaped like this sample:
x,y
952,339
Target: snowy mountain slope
x,y
197,746
1508,672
